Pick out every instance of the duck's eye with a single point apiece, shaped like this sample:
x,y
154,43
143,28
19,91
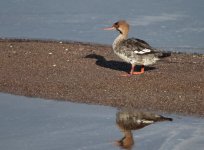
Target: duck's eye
x,y
116,25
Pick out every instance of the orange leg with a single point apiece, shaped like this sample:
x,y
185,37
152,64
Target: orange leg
x,y
141,71
134,73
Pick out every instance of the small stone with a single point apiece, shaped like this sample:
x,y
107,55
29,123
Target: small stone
x,y
54,65
50,53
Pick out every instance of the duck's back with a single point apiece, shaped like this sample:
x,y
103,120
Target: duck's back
x,y
133,120
137,46
136,51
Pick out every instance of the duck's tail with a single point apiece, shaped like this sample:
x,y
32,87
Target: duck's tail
x,y
163,54
162,118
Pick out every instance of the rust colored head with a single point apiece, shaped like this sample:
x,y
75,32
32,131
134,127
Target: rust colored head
x,y
122,26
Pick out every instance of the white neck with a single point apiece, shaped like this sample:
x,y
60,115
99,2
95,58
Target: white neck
x,y
119,39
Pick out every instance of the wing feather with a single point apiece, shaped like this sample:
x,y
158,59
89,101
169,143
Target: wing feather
x,y
137,46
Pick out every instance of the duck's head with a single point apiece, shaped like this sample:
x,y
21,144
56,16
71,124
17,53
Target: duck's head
x,y
127,141
122,26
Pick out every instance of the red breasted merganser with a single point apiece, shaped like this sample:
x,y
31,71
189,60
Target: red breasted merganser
x,y
134,120
132,50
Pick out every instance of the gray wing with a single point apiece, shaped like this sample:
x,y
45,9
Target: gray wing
x,y
137,46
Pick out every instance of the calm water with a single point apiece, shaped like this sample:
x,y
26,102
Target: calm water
x,y
35,124
174,25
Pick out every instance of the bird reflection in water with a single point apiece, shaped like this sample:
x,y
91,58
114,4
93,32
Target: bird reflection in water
x,y
134,120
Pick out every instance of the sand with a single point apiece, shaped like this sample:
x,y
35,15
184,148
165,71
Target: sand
x,y
90,73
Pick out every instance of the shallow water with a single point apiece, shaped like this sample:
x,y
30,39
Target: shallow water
x,y
32,123
172,25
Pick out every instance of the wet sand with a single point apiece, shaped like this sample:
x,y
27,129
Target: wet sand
x,y
90,73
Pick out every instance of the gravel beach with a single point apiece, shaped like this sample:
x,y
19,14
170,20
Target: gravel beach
x,y
90,73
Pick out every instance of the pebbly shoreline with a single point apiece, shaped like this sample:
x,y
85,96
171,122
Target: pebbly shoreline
x,y
90,73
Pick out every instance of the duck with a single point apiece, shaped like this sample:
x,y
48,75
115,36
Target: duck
x,y
133,50
128,120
